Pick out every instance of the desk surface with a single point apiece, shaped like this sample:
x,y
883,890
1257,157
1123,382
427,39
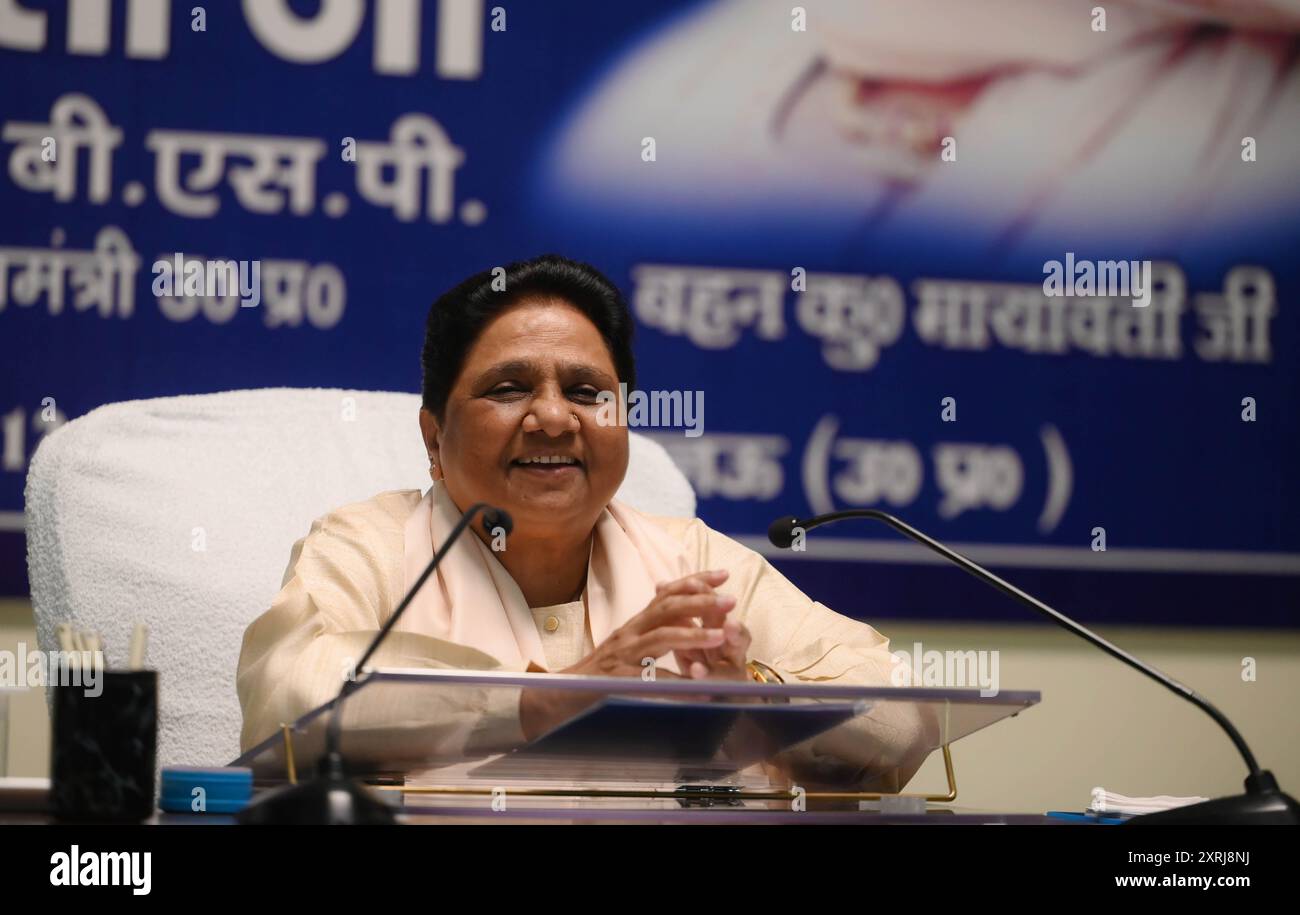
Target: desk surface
x,y
703,816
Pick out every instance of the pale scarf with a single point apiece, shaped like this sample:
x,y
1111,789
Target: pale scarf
x,y
472,600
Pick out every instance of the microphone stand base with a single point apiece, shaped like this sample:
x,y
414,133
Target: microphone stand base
x,y
1263,804
330,799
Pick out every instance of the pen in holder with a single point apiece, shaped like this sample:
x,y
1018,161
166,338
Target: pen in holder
x,y
104,744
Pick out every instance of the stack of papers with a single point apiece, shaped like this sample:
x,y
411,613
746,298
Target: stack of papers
x,y
1104,801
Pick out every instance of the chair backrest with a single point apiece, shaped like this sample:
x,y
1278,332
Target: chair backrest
x,y
181,511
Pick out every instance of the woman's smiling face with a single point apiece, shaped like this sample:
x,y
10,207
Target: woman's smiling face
x,y
528,390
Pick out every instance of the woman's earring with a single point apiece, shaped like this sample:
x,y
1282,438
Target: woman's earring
x,y
433,466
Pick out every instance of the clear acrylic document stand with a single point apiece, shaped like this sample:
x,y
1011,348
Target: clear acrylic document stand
x,y
450,735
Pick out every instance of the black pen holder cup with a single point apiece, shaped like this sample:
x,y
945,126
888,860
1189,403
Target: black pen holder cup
x,y
104,742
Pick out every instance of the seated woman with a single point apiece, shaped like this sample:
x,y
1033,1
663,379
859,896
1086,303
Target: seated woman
x,y
512,416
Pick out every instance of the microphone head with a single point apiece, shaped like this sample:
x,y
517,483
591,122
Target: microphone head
x,y
494,518
781,532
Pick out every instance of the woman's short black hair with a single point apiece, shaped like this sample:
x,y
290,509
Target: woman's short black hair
x,y
460,314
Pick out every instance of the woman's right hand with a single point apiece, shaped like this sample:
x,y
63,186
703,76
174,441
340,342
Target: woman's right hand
x,y
666,624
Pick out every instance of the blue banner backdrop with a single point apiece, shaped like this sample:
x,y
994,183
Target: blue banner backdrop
x,y
834,223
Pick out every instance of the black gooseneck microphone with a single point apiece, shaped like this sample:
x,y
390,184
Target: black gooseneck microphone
x,y
331,798
1263,803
